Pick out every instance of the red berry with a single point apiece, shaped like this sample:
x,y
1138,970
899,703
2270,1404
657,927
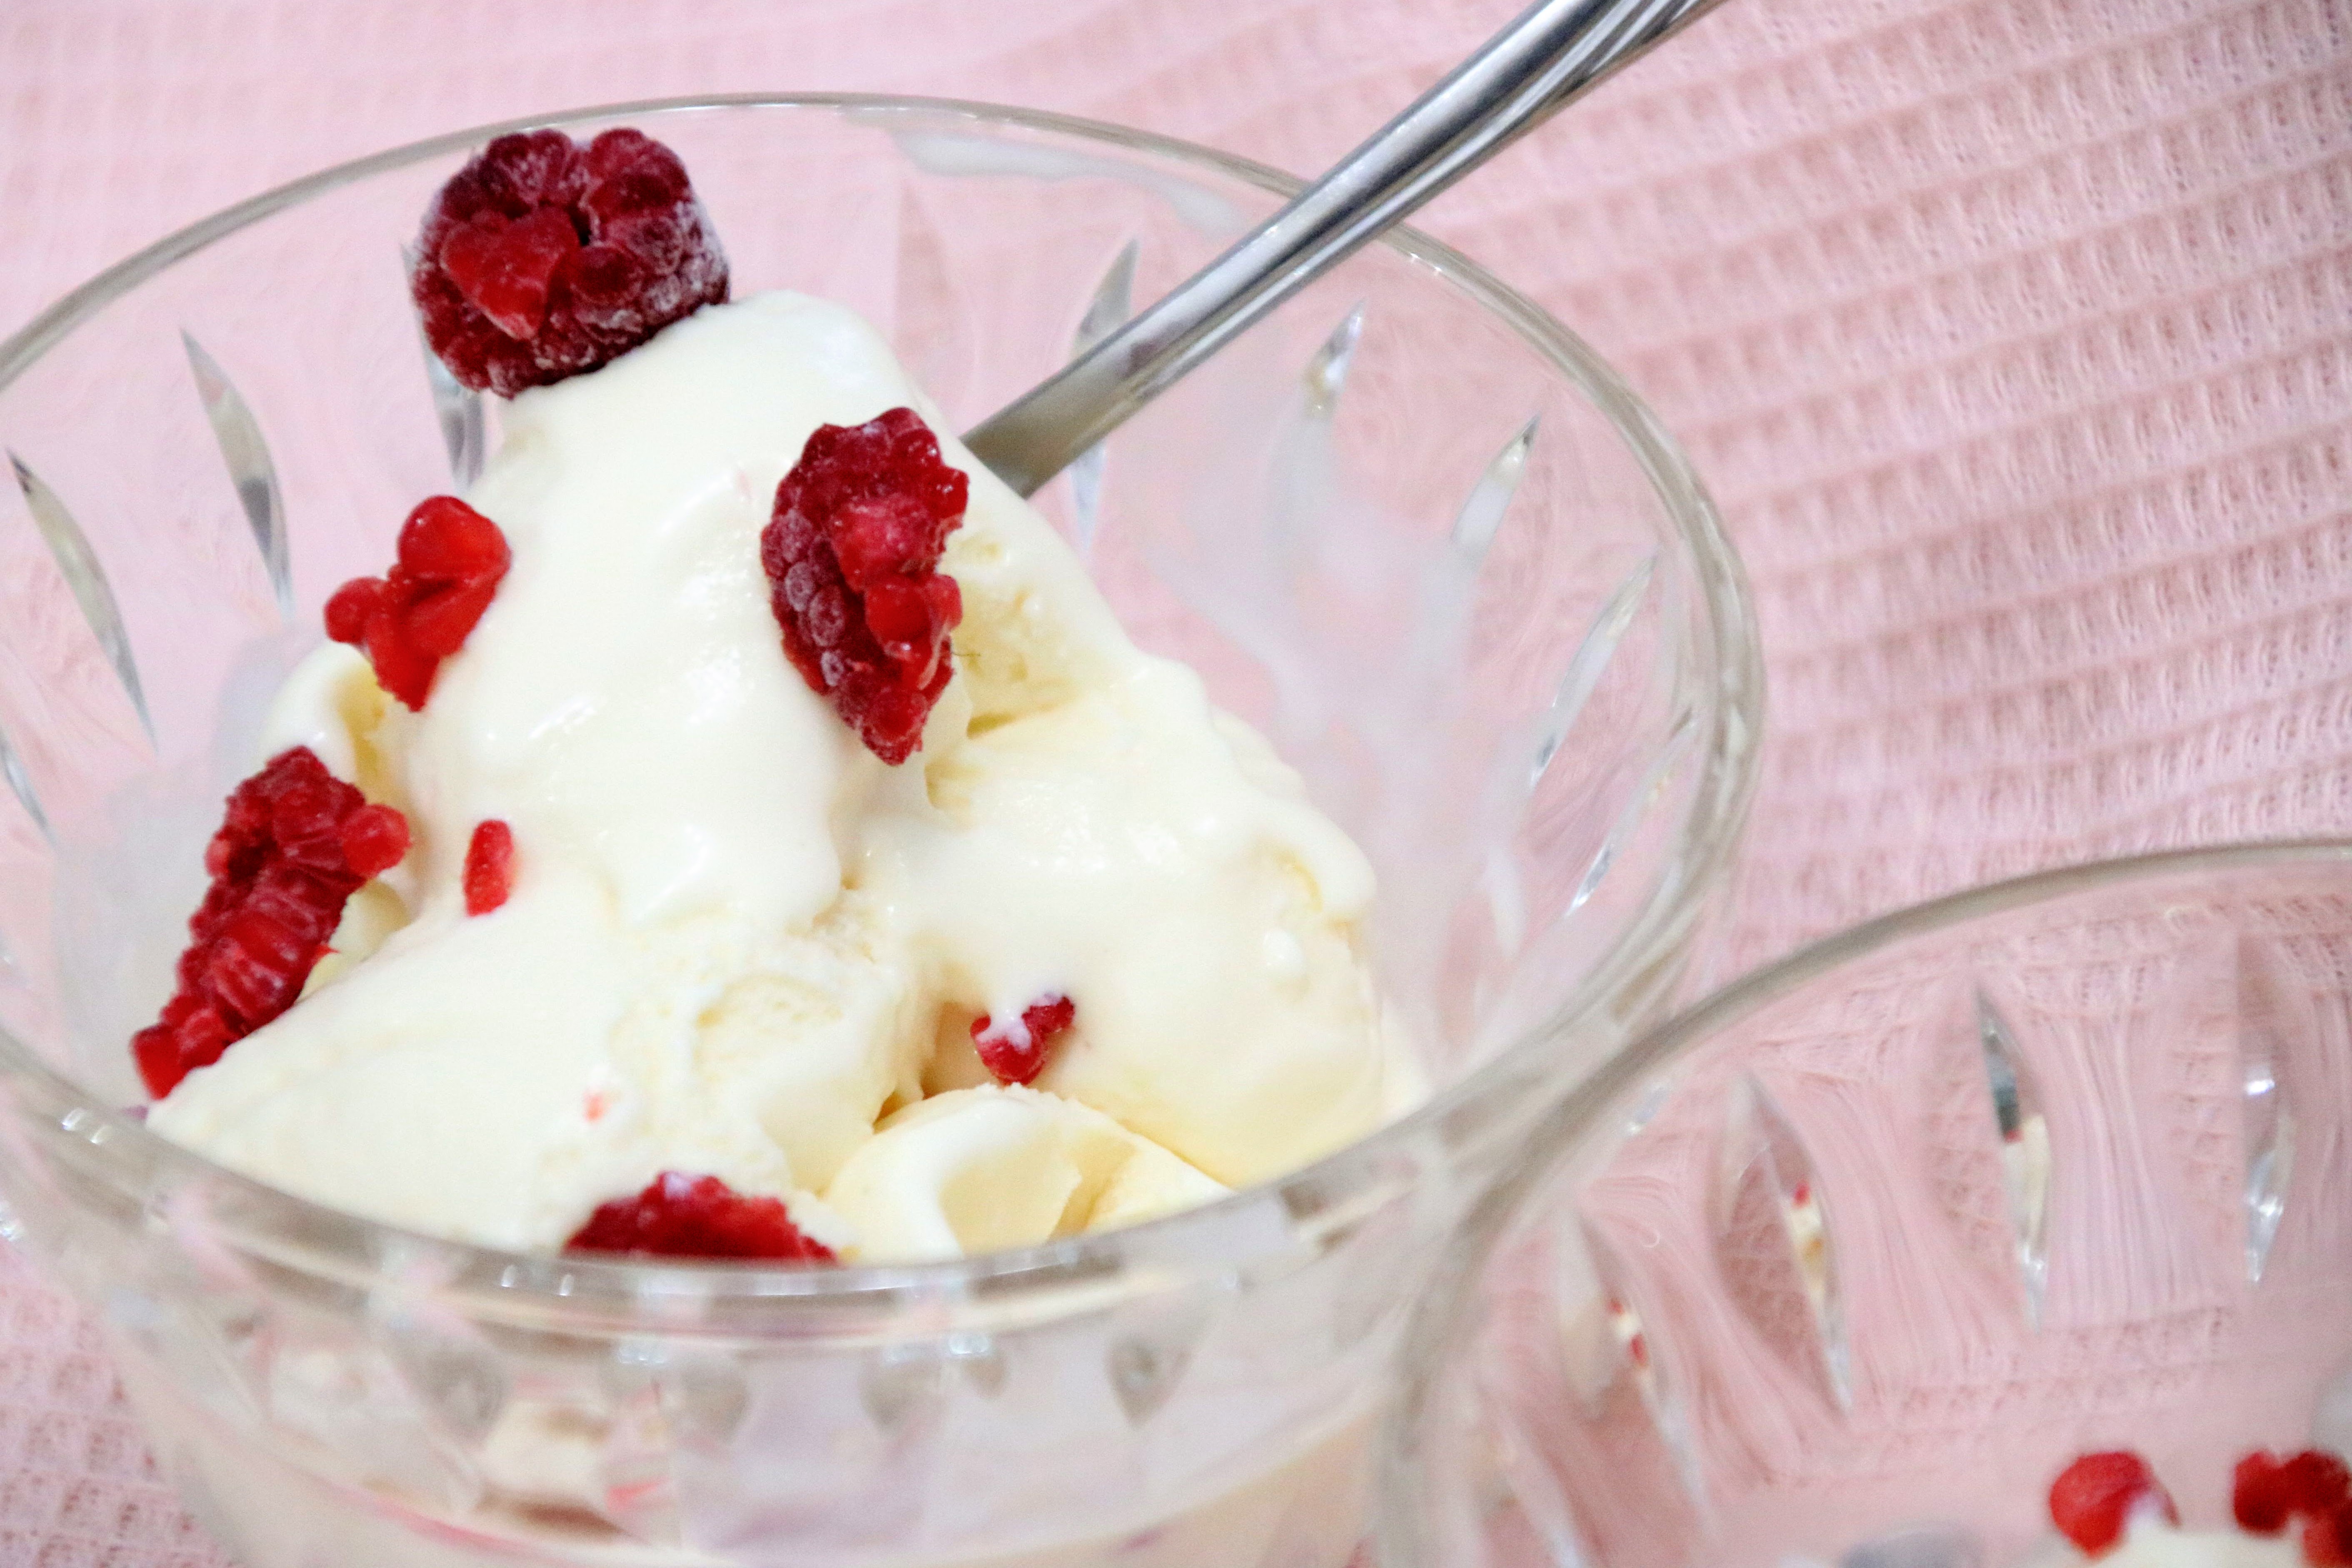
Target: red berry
x,y
282,868
506,270
852,554
350,608
451,560
2258,1493
543,259
2327,1538
679,1216
2095,1499
1016,1052
490,866
375,839
2268,1490
2316,1482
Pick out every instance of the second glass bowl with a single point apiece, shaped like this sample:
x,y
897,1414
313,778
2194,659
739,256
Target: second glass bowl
x,y
1409,527
1848,1263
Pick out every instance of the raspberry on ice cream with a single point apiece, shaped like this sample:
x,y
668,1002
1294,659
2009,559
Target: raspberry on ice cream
x,y
2297,1510
851,554
2317,1482
451,560
2092,1500
729,937
375,839
2259,1494
490,866
2267,1493
2328,1537
678,1216
1016,1050
543,259
282,865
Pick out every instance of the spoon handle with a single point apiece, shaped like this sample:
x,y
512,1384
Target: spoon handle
x,y
1552,53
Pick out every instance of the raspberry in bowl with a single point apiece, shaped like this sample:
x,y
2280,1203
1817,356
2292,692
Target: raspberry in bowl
x,y
2292,1511
2012,1229
445,1245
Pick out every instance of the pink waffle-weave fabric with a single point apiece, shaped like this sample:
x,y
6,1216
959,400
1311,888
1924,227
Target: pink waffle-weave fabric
x,y
2013,336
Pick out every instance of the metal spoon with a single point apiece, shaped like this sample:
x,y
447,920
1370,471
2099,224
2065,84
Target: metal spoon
x,y
1542,61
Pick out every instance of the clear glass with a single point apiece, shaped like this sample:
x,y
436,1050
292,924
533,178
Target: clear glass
x,y
1845,1265
1409,527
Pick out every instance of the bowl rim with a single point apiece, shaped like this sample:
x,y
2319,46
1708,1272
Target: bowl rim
x,y
319,1240
1545,1147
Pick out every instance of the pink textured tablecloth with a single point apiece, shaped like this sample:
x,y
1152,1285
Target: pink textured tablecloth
x,y
2014,337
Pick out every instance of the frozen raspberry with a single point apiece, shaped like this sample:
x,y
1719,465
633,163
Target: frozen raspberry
x,y
490,866
282,869
2316,1482
375,840
852,554
1015,1052
543,259
451,560
2094,1499
2258,1494
2268,1490
2327,1538
679,1216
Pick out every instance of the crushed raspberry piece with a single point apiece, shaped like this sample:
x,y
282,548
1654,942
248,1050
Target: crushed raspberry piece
x,y
375,840
2258,1494
281,872
2094,1500
1015,1052
852,554
679,1216
490,866
2268,1490
543,259
2316,1481
451,560
2327,1538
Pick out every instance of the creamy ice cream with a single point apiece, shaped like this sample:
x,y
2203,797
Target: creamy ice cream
x,y
740,944
975,1169
2111,1508
2153,1544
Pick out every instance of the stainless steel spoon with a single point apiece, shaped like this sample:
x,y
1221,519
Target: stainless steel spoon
x,y
1541,62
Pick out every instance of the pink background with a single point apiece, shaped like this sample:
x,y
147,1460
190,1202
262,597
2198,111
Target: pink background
x,y
2013,336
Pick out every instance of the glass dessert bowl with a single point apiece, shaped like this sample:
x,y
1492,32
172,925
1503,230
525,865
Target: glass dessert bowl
x,y
1410,529
1857,1260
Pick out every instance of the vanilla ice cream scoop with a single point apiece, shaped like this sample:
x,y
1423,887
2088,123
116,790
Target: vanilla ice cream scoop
x,y
2152,1543
974,1169
1179,889
739,945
